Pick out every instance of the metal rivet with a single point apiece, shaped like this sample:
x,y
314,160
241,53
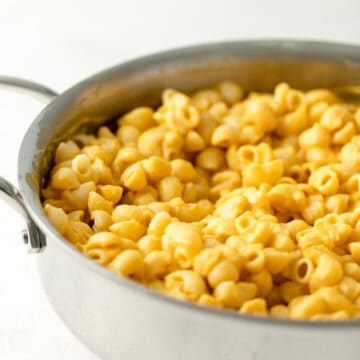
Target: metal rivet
x,y
25,236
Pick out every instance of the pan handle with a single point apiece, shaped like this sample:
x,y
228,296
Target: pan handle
x,y
32,235
35,89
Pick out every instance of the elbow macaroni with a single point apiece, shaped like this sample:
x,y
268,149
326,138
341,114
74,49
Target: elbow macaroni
x,y
243,203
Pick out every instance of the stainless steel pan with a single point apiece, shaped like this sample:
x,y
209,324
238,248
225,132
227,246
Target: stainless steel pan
x,y
119,319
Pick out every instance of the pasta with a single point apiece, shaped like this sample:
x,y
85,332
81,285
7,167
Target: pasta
x,y
250,204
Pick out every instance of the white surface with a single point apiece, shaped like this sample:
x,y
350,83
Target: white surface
x,y
59,43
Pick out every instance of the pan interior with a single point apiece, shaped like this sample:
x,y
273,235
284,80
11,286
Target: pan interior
x,y
256,65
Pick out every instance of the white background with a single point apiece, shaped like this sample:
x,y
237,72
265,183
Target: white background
x,y
59,43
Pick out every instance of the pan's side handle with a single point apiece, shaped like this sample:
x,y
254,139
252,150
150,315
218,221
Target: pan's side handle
x,y
35,89
32,235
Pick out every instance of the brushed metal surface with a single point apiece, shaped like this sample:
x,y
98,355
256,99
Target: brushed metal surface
x,y
119,321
